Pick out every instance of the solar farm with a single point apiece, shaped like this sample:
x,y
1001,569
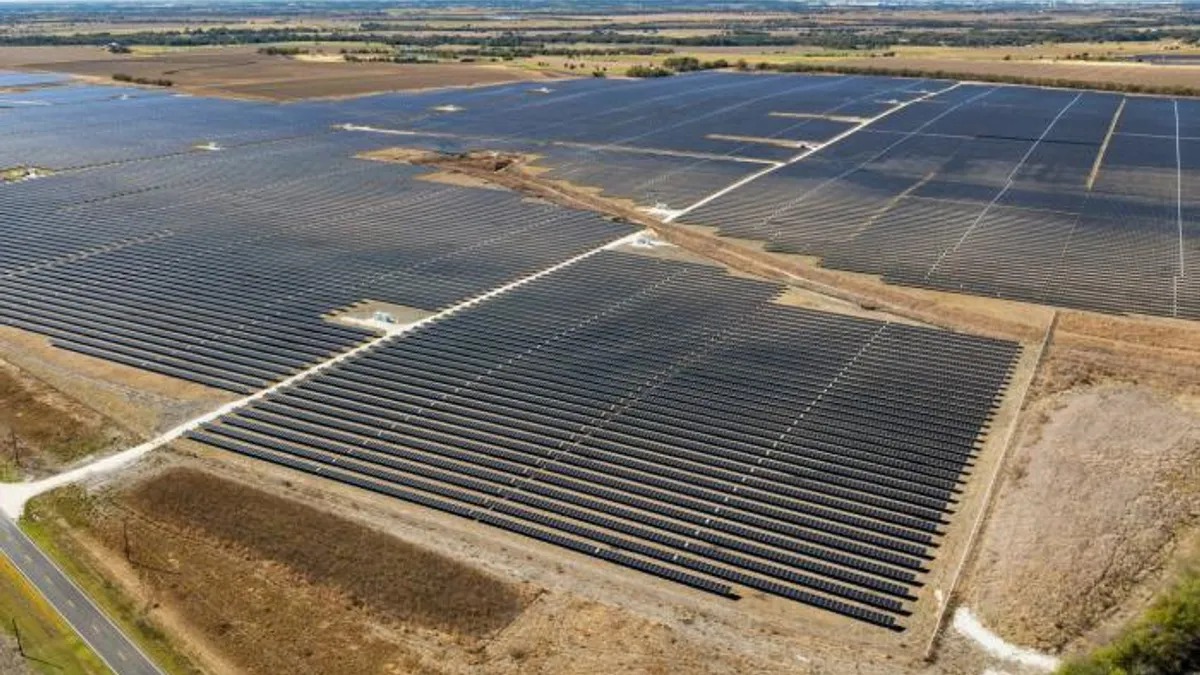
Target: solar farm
x,y
573,379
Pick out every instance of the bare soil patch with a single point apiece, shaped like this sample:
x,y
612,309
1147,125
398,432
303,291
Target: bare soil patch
x,y
143,402
370,313
243,72
400,581
1089,508
1101,497
42,429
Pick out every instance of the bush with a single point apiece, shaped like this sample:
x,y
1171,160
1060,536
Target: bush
x,y
1164,641
158,82
648,71
682,64
685,64
285,51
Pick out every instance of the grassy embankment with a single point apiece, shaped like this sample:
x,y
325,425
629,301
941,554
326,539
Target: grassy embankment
x,y
50,646
1165,640
49,520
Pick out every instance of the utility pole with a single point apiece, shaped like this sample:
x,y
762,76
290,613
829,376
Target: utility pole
x,y
128,550
17,632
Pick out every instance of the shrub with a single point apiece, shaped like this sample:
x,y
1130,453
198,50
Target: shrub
x,y
158,82
285,51
648,71
685,64
1164,641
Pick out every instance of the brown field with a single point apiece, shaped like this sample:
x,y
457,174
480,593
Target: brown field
x,y
243,72
1079,71
400,581
42,429
1046,61
250,582
265,579
1113,423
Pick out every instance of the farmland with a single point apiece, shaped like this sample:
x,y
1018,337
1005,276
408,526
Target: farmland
x,y
245,73
494,370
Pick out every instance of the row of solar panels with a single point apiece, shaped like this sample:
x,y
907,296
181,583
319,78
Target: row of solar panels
x,y
669,413
991,190
220,269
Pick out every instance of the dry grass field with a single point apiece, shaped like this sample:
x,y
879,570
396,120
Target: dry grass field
x,y
41,429
1095,72
1099,504
242,72
277,578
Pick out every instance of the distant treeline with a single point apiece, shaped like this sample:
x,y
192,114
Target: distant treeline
x,y
1066,83
687,64
830,38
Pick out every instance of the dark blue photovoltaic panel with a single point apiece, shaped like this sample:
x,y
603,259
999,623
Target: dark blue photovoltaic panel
x,y
1015,192
219,266
669,411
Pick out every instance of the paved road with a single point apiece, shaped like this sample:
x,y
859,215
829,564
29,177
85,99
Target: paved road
x,y
121,655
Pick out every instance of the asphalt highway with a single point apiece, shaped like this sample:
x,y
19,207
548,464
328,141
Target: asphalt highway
x,y
116,650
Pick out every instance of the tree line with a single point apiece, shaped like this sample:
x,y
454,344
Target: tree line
x,y
830,38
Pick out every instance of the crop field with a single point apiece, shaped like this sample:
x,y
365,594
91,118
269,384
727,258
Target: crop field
x,y
244,73
658,413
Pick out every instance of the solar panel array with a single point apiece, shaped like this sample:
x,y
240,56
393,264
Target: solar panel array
x,y
662,415
10,78
1004,191
218,266
687,114
647,178
666,416
656,142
